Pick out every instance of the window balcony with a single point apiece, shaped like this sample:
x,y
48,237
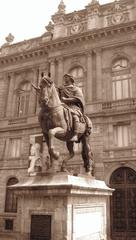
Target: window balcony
x,y
123,104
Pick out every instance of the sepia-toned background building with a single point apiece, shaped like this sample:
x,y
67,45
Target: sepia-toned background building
x,y
97,45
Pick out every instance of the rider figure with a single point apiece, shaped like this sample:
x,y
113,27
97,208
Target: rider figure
x,y
73,97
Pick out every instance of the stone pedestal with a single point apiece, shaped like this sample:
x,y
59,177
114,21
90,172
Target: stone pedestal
x,y
65,207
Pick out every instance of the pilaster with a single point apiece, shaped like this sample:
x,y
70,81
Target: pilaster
x,y
11,97
89,85
60,71
52,69
107,84
98,73
133,82
33,95
93,10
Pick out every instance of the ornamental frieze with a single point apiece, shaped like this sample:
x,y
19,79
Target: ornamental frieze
x,y
118,14
117,7
19,48
76,23
117,18
76,28
76,17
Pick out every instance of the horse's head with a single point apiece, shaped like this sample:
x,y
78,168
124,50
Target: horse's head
x,y
49,95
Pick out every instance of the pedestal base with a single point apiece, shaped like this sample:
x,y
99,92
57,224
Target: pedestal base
x,y
62,207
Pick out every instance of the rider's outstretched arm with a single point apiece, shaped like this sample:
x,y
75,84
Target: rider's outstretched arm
x,y
69,100
36,88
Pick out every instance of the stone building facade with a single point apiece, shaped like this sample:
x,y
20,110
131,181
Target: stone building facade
x,y
97,45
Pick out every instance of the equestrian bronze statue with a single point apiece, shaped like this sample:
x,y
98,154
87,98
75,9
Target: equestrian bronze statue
x,y
62,117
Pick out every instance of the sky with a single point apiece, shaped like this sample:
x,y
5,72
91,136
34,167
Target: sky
x,y
26,19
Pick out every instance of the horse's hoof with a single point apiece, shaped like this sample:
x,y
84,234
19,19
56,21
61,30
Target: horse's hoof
x,y
72,155
88,171
56,155
63,169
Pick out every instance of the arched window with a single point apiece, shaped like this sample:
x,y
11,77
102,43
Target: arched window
x,y
11,199
121,79
123,204
78,74
22,99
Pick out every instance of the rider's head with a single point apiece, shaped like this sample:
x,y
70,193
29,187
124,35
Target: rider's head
x,y
68,80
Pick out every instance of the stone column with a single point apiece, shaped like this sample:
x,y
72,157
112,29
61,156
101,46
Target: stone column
x,y
89,83
107,85
133,77
33,94
60,71
98,74
11,97
52,69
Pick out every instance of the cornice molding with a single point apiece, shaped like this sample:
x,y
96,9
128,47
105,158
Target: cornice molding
x,y
27,56
93,35
19,126
67,41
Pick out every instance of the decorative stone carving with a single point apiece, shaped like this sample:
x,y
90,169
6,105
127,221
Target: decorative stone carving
x,y
35,160
118,14
59,16
93,8
77,24
61,7
93,2
9,39
76,28
21,47
75,60
50,27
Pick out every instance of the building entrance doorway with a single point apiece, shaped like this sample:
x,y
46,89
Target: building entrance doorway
x,y
40,227
123,204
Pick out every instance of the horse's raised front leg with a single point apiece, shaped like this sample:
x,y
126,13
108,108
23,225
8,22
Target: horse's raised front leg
x,y
51,134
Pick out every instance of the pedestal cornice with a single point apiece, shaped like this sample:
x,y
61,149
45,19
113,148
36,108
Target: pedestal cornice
x,y
62,184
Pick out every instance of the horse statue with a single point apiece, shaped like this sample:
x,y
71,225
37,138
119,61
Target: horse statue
x,y
54,118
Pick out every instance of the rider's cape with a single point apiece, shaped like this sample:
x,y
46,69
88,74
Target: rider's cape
x,y
78,107
75,93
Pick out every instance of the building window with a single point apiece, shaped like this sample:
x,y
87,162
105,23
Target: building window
x,y
121,80
14,148
9,224
22,99
122,135
11,199
78,74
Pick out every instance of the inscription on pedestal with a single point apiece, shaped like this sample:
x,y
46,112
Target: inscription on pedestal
x,y
89,223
